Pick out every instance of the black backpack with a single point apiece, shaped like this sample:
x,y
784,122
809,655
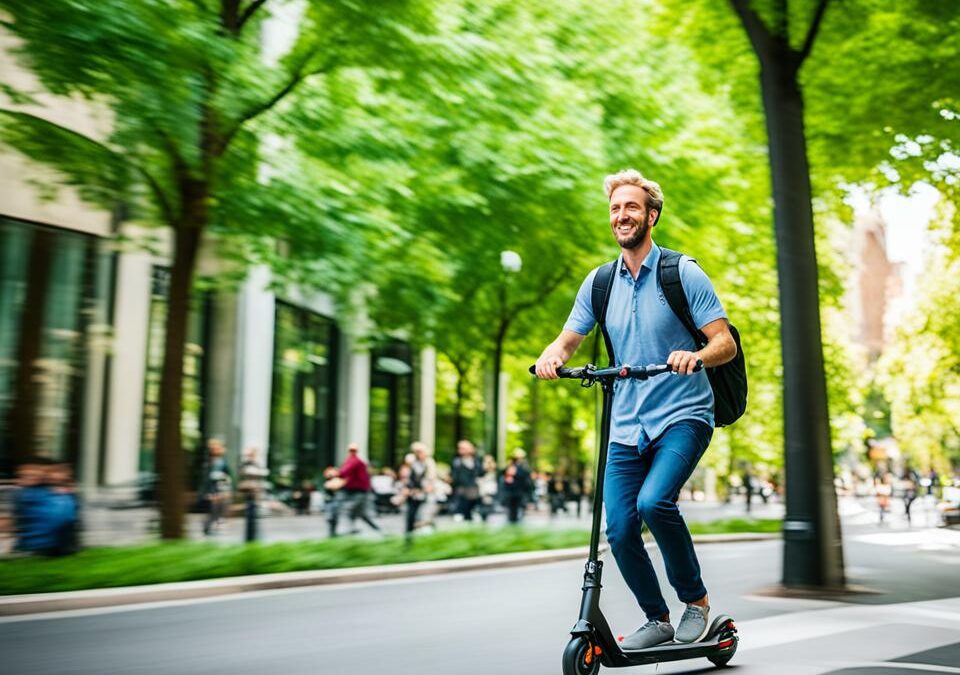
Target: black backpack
x,y
729,381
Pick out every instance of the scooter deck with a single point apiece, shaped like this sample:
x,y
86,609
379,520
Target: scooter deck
x,y
709,645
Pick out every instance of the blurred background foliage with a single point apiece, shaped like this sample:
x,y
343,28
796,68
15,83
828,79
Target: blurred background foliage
x,y
397,148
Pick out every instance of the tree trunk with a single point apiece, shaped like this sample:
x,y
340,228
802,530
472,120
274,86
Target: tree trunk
x,y
23,414
170,464
458,408
813,554
495,448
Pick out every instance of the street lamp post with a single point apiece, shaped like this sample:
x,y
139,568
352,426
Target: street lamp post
x,y
511,263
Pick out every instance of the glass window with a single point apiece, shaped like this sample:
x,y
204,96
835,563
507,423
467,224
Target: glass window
x,y
391,403
48,282
303,409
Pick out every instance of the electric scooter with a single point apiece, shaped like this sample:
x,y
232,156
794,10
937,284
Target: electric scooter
x,y
592,642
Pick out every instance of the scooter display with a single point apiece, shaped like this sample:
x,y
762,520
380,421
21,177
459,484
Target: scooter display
x,y
592,643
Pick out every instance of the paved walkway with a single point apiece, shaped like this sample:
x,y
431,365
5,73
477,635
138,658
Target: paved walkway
x,y
112,527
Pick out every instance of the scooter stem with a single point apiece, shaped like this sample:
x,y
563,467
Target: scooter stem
x,y
607,387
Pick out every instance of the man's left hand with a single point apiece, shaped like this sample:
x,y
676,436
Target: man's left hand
x,y
683,363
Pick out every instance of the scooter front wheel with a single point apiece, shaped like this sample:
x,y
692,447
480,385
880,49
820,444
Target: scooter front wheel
x,y
581,657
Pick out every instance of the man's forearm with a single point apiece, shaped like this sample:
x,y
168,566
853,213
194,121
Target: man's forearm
x,y
720,349
558,349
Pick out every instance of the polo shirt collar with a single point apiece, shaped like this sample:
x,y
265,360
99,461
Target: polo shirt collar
x,y
650,262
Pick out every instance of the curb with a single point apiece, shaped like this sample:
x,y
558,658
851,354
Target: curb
x,y
38,603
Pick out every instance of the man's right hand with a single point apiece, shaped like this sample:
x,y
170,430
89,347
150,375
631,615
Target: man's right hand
x,y
547,367
557,353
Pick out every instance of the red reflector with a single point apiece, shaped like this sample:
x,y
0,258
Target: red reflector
x,y
725,643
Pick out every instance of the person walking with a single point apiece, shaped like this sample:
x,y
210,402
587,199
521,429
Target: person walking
x,y
431,487
488,487
217,485
415,484
45,509
909,482
354,496
660,427
465,472
883,487
516,486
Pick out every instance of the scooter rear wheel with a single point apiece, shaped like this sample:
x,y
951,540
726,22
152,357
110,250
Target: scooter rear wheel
x,y
579,658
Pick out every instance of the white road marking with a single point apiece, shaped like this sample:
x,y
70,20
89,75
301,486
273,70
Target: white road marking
x,y
784,629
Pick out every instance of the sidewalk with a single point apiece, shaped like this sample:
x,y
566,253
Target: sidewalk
x,y
38,603
104,526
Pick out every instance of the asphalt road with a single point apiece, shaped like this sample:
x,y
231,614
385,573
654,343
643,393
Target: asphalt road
x,y
515,622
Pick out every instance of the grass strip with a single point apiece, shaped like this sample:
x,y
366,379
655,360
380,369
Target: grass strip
x,y
188,561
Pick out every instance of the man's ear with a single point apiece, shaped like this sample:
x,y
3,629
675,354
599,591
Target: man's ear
x,y
655,214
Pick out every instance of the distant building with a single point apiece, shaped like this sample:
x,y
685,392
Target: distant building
x,y
876,284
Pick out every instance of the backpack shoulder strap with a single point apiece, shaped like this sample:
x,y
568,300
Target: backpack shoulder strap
x,y
599,298
668,273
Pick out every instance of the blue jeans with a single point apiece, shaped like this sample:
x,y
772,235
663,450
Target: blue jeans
x,y
641,487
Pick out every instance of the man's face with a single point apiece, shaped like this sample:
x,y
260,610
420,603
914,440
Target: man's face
x,y
630,220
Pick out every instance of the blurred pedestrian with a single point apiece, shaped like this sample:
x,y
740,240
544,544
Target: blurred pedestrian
x,y
488,486
748,487
384,487
934,483
217,485
301,497
45,509
558,489
540,489
883,487
414,485
516,486
60,478
252,483
424,454
465,472
909,484
354,496
332,484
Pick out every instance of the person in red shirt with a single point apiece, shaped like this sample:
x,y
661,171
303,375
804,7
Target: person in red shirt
x,y
354,494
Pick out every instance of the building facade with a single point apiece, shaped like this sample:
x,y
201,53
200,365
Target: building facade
x,y
82,321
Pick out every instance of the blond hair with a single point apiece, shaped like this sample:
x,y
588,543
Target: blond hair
x,y
634,177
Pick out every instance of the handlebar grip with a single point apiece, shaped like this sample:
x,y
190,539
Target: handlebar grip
x,y
572,373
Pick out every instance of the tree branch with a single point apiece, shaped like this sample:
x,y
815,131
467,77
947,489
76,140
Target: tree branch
x,y
229,11
248,12
549,288
161,197
783,19
812,33
299,74
757,31
162,201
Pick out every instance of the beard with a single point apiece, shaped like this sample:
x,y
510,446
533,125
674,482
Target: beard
x,y
634,240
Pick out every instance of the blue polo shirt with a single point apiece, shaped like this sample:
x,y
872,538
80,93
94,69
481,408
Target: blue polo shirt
x,y
644,330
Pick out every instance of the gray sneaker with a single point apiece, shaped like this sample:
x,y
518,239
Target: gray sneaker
x,y
693,624
651,633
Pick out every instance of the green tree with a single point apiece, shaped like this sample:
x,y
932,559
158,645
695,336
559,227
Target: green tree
x,y
189,88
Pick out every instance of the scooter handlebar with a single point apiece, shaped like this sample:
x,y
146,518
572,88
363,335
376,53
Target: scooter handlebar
x,y
637,372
